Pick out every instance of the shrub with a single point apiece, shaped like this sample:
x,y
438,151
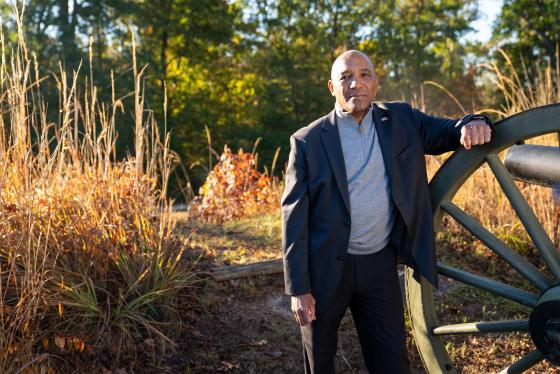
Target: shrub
x,y
235,189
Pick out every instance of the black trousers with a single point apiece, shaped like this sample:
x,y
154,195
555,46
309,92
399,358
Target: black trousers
x,y
370,287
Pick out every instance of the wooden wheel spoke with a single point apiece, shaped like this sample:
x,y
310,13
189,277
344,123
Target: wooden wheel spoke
x,y
515,294
534,228
483,327
527,362
519,263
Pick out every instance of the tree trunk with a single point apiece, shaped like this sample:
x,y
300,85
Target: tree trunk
x,y
335,30
65,36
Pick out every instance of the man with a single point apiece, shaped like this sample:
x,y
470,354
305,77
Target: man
x,y
356,202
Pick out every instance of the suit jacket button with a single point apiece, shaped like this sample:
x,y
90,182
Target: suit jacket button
x,y
341,258
346,223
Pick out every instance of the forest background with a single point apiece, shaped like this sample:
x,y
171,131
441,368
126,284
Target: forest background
x,y
248,69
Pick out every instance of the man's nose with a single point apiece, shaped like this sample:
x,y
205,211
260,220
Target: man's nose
x,y
356,82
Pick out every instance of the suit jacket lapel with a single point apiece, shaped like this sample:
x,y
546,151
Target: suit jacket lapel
x,y
331,141
384,134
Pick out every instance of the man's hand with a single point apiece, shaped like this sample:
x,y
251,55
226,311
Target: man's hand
x,y
475,132
303,307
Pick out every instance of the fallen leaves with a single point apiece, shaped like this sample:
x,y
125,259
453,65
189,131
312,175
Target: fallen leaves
x,y
72,344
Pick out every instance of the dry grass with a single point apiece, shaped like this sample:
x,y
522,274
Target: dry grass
x,y
524,92
481,196
88,261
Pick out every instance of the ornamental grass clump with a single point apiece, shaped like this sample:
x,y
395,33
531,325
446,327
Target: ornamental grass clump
x,y
88,259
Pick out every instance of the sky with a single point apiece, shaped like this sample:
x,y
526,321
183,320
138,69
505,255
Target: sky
x,y
489,10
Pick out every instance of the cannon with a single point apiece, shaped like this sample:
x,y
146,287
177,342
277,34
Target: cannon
x,y
527,162
536,164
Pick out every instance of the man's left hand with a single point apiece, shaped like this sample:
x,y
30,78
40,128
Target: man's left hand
x,y
475,132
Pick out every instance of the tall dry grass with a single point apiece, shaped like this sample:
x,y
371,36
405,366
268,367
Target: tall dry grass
x,y
88,262
481,196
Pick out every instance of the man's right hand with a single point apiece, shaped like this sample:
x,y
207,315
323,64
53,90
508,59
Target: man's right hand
x,y
303,307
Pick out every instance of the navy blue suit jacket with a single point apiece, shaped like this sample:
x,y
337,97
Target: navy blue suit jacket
x,y
316,208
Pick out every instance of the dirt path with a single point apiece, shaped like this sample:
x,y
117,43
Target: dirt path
x,y
248,328
245,325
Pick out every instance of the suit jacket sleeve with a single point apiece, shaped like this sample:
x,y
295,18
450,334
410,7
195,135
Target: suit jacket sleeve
x,y
441,135
295,216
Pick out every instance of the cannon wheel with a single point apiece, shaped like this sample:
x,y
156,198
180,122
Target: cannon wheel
x,y
545,305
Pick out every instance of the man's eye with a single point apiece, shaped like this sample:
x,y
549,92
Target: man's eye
x,y
344,77
366,74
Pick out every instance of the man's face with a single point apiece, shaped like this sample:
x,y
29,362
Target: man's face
x,y
353,83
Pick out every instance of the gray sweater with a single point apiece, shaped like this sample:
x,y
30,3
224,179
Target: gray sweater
x,y
371,208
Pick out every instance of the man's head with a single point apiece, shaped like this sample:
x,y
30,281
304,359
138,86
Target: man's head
x,y
353,82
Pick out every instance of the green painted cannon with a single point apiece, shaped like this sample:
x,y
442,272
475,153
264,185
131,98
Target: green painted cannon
x,y
543,322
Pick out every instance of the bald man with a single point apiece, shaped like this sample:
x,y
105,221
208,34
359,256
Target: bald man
x,y
356,203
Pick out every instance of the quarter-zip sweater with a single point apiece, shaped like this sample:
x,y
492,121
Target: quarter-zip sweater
x,y
372,211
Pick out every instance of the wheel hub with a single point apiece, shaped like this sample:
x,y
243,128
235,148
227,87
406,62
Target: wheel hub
x,y
544,325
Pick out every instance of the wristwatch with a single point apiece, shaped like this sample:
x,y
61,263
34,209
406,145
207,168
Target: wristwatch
x,y
471,117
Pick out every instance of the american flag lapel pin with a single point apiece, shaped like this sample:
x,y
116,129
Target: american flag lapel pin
x,y
384,119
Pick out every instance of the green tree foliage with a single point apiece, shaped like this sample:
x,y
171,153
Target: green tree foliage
x,y
529,29
257,68
177,29
414,41
60,30
529,33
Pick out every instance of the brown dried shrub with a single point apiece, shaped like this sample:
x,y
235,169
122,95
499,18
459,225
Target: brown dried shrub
x,y
234,189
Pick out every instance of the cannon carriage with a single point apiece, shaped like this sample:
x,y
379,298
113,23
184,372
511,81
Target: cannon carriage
x,y
530,163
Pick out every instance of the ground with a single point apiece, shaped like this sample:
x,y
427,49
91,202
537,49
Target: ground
x,y
245,325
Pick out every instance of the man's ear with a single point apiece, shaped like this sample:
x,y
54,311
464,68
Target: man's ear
x,y
331,86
